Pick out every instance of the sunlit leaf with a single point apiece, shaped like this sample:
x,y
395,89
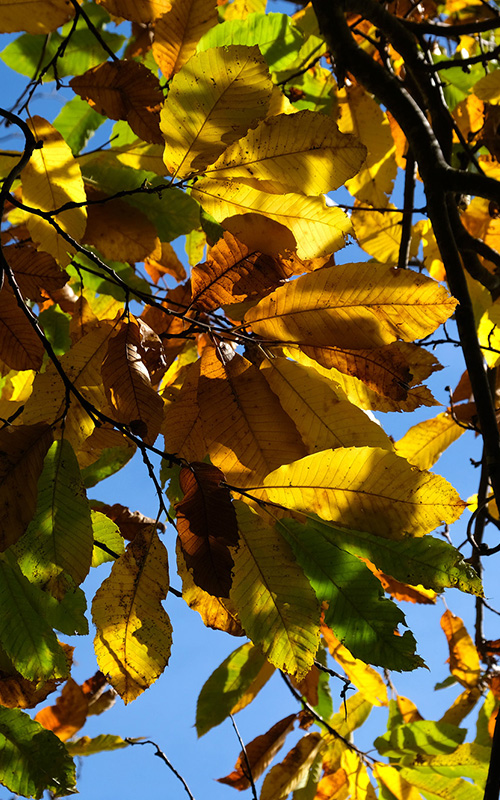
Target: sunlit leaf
x,y
34,16
292,772
69,713
177,32
357,776
85,746
108,542
428,781
464,658
395,783
144,12
425,442
215,98
366,679
134,634
116,229
422,737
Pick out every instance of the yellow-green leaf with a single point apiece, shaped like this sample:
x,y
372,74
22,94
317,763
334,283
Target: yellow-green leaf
x,y
353,306
366,488
134,634
366,679
275,602
318,229
214,99
52,178
425,442
303,152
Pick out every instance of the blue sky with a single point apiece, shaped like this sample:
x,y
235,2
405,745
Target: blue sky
x,y
166,712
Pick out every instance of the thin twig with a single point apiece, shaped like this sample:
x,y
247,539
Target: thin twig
x,y
245,756
164,758
92,28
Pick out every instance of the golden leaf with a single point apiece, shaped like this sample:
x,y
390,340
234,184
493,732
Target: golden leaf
x,y
120,232
52,178
366,679
357,776
464,658
392,779
425,442
144,12
134,634
178,31
231,94
292,772
34,16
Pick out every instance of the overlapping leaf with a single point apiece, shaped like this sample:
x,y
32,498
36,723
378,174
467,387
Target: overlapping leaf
x,y
464,658
34,16
275,601
364,487
145,12
425,442
292,772
207,528
134,634
303,152
366,679
216,97
177,32
37,274
52,178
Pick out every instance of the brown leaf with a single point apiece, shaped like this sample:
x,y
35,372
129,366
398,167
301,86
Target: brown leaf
x,y
182,426
308,687
170,328
20,347
178,31
129,522
19,692
167,263
124,90
120,232
69,713
233,273
22,451
128,384
207,527
37,273
260,753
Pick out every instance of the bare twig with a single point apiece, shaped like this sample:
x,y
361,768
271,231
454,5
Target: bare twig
x,y
164,758
245,756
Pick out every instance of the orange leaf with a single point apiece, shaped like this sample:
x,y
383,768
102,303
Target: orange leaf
x,y
20,347
127,382
233,273
167,263
144,12
69,713
260,753
464,658
207,527
124,90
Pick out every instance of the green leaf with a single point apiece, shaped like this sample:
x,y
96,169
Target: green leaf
x,y
25,634
449,681
420,738
55,324
111,460
77,122
58,541
427,780
278,39
427,560
325,705
172,212
85,746
469,760
357,611
227,685
107,534
98,281
33,759
68,616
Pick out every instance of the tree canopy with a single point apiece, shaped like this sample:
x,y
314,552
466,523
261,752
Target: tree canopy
x,y
250,375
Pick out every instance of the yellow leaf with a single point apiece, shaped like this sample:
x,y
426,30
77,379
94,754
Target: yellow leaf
x,y
275,602
137,154
182,427
408,709
82,365
464,658
318,229
425,442
52,178
216,97
361,114
365,488
134,634
357,776
488,334
488,88
303,152
144,12
178,31
393,780
333,786
293,771
247,432
379,234
34,16
462,706
352,306
366,679
240,9
127,382
319,408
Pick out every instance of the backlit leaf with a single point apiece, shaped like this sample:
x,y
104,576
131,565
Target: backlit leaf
x,y
275,601
33,759
117,230
206,524
34,16
364,487
37,274
462,706
303,152
260,752
20,347
107,534
52,178
357,776
464,658
428,781
215,98
124,90
354,306
134,634
144,12
177,32
318,229
366,679
69,713
58,542
229,684
420,738
395,783
85,746
293,771
425,442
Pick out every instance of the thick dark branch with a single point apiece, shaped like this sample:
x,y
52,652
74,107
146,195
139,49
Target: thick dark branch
x,y
452,31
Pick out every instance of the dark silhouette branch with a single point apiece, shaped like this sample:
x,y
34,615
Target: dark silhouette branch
x,y
165,760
